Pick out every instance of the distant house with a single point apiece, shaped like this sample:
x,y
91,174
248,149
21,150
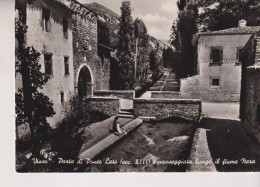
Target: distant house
x,y
219,62
250,86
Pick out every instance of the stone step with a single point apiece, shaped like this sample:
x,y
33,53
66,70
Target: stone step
x,y
174,83
170,79
125,112
125,116
155,88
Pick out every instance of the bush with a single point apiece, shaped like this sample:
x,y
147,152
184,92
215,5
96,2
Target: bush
x,y
71,133
65,141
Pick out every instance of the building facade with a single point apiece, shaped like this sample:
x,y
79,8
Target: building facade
x,y
219,62
64,32
90,71
50,33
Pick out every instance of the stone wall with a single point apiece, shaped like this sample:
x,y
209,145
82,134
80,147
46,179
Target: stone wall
x,y
106,105
115,93
165,108
190,88
251,119
250,87
194,88
248,58
165,94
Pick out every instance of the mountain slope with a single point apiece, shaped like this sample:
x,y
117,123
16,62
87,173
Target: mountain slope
x,y
102,10
112,19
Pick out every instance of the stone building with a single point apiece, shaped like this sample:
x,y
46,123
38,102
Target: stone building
x,y
219,62
250,86
65,33
90,71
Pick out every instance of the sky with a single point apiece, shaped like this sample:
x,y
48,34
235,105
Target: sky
x,y
158,15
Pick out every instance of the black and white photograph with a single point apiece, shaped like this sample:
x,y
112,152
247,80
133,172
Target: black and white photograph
x,y
136,86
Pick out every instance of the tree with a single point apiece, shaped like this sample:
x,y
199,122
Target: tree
x,y
32,106
103,39
227,13
174,33
155,62
125,48
181,4
142,51
183,31
168,57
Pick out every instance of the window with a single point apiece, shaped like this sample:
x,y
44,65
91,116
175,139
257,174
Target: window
x,y
46,20
214,82
66,65
61,97
216,54
239,55
258,113
48,64
65,28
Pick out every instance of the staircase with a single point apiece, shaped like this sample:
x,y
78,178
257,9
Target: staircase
x,y
172,83
158,86
125,113
126,109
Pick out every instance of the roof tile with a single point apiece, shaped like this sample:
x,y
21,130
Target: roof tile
x,y
234,31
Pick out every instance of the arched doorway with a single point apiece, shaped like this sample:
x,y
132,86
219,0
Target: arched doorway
x,y
85,82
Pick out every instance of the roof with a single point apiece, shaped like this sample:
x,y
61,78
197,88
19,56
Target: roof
x,y
67,4
234,31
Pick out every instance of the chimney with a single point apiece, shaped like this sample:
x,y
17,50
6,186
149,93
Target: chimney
x,y
242,23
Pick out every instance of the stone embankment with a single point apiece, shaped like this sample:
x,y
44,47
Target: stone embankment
x,y
108,141
200,154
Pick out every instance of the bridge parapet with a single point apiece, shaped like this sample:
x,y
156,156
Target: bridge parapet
x,y
107,105
165,94
115,93
189,109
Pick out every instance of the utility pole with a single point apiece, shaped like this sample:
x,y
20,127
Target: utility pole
x,y
135,67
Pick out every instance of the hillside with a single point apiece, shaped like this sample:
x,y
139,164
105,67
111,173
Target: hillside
x,y
102,10
112,19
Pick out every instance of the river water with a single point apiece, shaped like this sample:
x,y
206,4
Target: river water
x,y
159,147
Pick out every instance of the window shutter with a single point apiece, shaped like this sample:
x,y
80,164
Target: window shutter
x,y
221,55
51,64
211,54
42,20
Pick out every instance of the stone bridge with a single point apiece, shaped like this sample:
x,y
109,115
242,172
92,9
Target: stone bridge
x,y
189,109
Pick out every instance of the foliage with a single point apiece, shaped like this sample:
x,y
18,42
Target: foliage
x,y
42,107
227,13
125,48
181,4
72,132
155,64
103,39
174,33
183,31
168,57
142,51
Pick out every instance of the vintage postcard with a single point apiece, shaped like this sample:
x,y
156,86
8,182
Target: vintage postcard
x,y
137,86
